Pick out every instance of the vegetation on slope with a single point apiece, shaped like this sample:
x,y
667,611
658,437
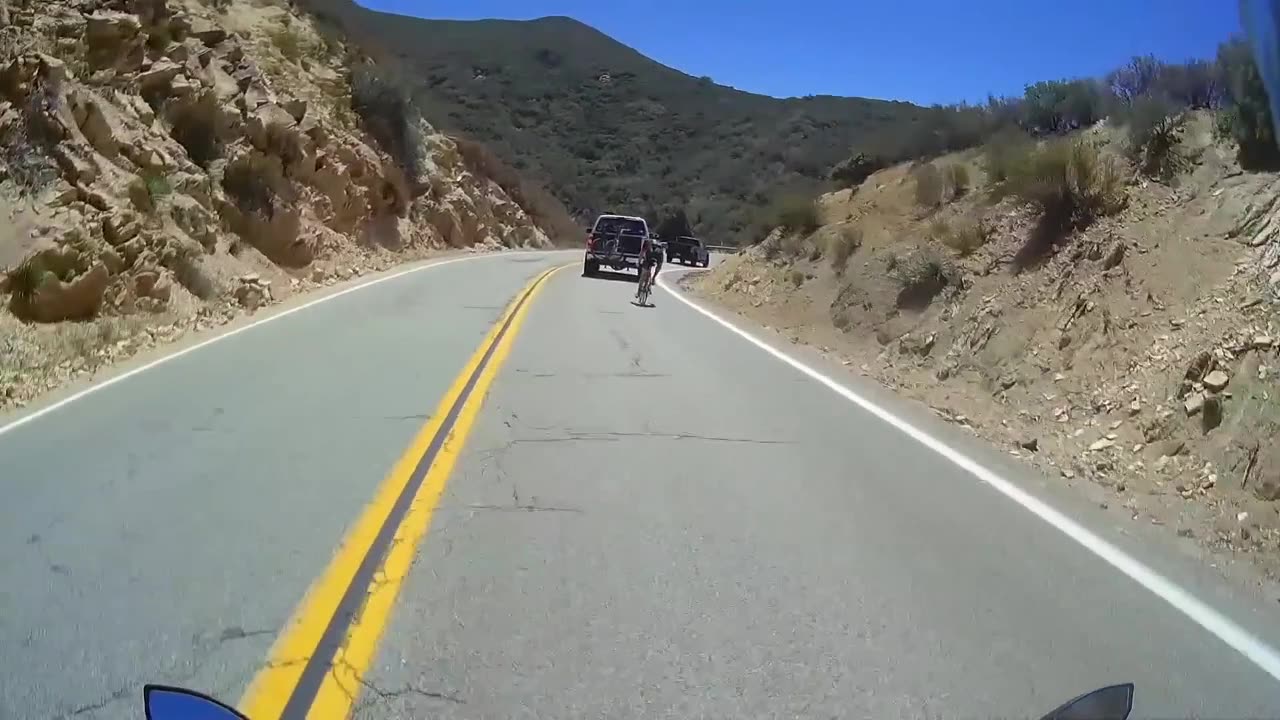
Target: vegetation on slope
x,y
609,129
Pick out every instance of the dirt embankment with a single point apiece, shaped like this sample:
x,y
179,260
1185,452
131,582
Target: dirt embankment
x,y
168,164
1138,355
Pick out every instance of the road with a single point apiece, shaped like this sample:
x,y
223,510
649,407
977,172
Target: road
x,y
649,517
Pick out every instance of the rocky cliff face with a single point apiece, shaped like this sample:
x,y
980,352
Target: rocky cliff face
x,y
164,163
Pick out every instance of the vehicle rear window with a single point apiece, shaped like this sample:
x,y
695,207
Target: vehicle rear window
x,y
610,226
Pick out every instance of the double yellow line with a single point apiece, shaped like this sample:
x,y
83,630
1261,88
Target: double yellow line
x,y
315,668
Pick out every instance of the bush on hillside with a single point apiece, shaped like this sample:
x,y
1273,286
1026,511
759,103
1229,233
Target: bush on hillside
x,y
966,236
1196,85
1136,79
1069,182
1002,153
796,214
23,281
251,180
1247,117
928,184
389,115
855,169
921,274
1154,128
1056,107
958,179
843,244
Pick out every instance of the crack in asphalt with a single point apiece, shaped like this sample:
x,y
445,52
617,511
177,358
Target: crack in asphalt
x,y
408,689
202,649
616,436
601,376
115,696
235,632
527,507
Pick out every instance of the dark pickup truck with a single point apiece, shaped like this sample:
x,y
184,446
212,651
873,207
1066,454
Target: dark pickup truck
x,y
688,251
614,242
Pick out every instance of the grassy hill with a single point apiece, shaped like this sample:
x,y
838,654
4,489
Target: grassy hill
x,y
606,128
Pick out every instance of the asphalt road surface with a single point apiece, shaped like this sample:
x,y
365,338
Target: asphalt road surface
x,y
650,517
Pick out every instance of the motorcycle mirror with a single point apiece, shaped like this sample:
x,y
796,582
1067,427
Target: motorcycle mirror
x,y
172,703
1108,703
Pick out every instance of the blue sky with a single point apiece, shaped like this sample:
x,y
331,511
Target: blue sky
x,y
923,51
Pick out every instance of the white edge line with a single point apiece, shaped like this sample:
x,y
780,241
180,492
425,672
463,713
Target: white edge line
x,y
428,265
1225,629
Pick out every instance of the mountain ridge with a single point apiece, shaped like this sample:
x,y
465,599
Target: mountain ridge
x,y
605,127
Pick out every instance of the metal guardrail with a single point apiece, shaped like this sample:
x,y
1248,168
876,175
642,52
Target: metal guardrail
x,y
723,248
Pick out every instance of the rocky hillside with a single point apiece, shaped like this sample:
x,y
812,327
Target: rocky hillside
x,y
1135,358
609,129
167,164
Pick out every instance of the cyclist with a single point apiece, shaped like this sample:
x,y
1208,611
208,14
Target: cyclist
x,y
650,263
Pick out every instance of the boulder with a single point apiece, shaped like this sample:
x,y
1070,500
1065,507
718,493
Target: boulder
x,y
182,88
159,76
53,70
205,31
114,39
194,220
1211,415
74,164
278,236
119,227
1216,380
1265,477
297,108
1114,257
97,127
150,12
256,94
153,284
146,156
270,126
1194,403
112,259
78,299
107,30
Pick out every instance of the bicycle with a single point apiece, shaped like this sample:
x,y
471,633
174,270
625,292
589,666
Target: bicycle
x,y
646,285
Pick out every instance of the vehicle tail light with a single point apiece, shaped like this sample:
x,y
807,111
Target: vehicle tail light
x,y
591,241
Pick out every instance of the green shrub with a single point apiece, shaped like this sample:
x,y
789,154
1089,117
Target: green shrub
x,y
1061,106
852,171
958,179
1002,153
843,244
249,180
966,236
157,185
25,279
921,275
929,185
1069,182
289,42
389,115
197,133
1154,129
1247,118
796,214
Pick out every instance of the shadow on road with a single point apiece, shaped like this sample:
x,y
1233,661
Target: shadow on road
x,y
615,276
